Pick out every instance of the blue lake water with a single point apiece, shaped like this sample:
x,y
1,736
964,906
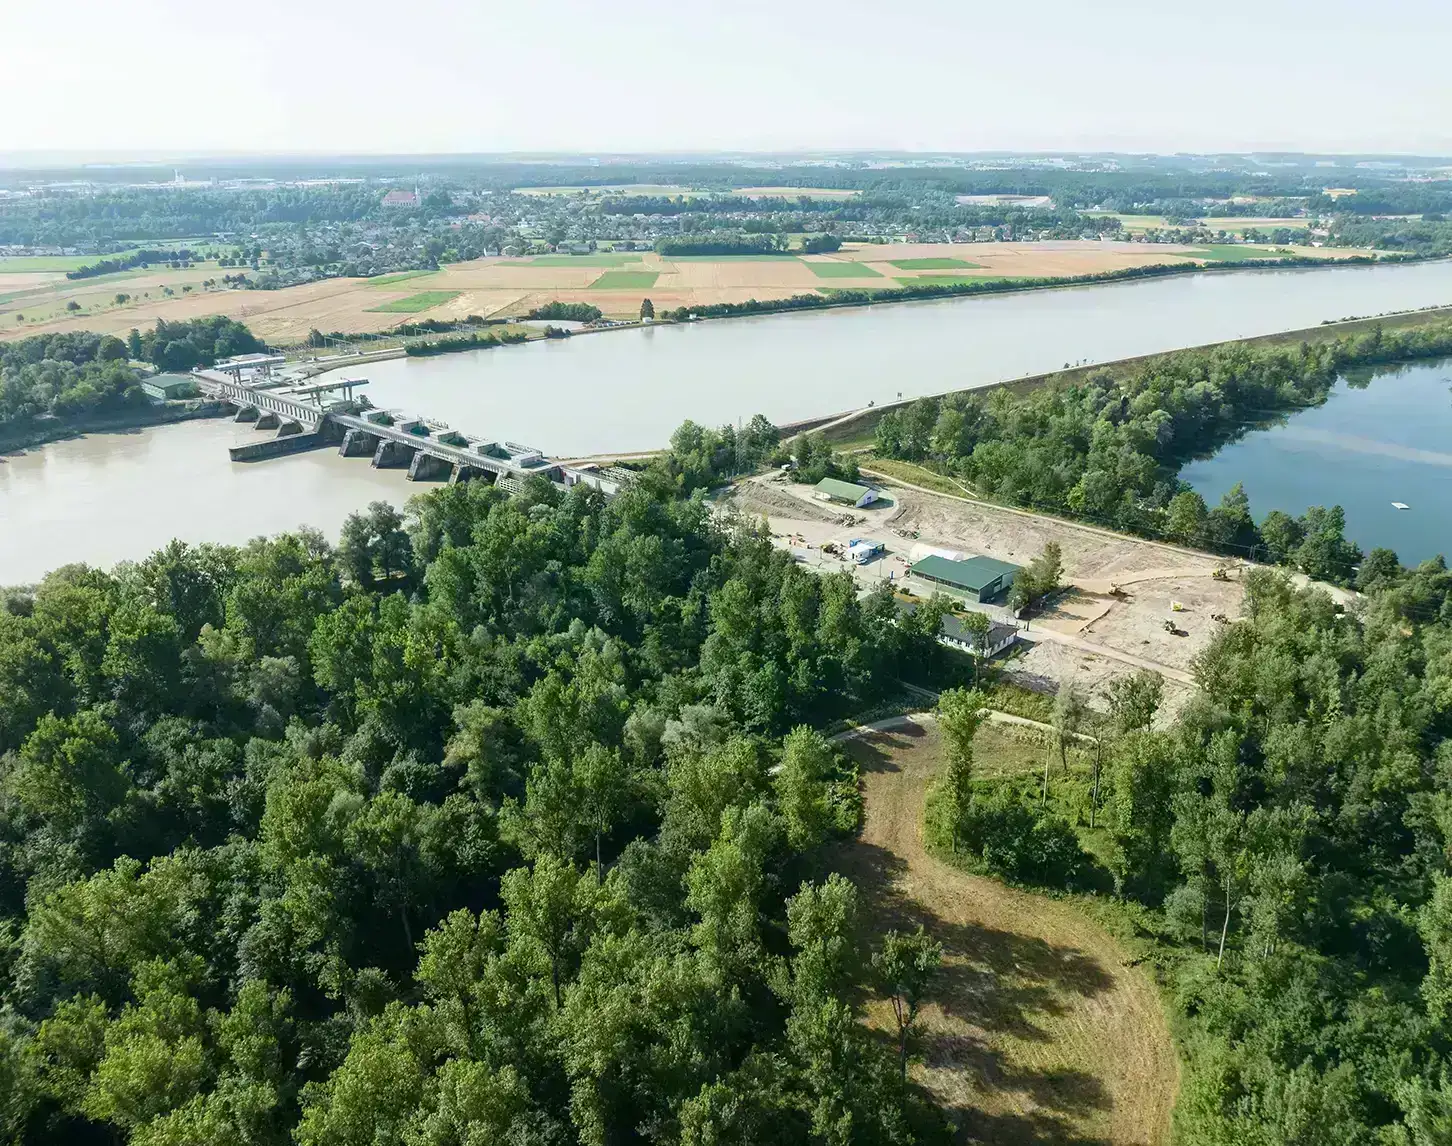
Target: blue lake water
x,y
1374,442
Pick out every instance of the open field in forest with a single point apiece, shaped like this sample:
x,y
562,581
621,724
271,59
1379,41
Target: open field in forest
x,y
1039,1029
615,281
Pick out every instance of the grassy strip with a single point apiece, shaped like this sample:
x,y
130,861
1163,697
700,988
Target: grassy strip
x,y
935,264
916,474
840,270
599,259
625,280
401,276
425,300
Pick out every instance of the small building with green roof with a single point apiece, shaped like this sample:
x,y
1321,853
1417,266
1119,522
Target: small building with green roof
x,y
846,492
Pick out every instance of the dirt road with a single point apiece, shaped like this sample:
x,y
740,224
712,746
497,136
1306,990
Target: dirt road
x,y
1042,1033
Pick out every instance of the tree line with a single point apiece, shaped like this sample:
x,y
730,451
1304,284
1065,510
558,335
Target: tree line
x,y
143,258
69,377
495,821
1109,449
1280,847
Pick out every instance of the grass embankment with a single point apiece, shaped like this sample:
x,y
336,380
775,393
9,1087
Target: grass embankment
x,y
1041,1028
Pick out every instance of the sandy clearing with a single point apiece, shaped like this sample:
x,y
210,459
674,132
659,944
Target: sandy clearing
x,y
1040,1032
24,280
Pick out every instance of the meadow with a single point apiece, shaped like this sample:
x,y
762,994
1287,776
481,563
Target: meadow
x,y
415,303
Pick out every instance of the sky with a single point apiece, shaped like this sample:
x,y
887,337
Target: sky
x,y
431,76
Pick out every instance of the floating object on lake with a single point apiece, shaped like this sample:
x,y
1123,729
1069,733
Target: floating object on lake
x,y
1400,505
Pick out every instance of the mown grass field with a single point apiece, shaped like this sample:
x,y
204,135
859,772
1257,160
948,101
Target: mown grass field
x,y
598,259
944,264
844,271
952,280
414,303
1233,254
401,276
1040,1027
625,280
38,264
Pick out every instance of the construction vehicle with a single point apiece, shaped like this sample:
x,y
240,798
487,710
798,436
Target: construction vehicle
x,y
1220,574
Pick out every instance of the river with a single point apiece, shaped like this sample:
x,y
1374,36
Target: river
x,y
105,497
1377,440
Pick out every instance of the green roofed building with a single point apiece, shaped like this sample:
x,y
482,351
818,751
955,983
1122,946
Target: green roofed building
x,y
849,493
978,578
169,387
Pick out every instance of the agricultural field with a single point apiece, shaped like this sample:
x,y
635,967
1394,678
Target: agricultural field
x,y
506,287
825,269
625,280
400,277
415,303
936,265
1235,253
1234,224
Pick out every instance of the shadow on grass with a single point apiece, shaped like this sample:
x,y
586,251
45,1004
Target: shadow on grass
x,y
874,751
996,984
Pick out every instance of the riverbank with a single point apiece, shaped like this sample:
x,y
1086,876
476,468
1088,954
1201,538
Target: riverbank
x,y
851,428
141,418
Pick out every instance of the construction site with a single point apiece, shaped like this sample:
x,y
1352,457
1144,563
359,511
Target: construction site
x,y
1125,604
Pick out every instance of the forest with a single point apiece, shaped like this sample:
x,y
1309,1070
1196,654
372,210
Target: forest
x,y
494,822
69,377
1109,449
1281,848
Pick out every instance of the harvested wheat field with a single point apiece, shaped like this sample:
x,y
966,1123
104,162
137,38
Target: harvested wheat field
x,y
508,287
1039,1031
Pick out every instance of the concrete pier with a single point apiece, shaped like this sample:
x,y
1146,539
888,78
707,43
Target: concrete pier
x,y
277,447
267,420
247,414
392,454
358,444
426,467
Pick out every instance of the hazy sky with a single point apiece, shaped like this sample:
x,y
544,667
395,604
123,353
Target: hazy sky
x,y
583,75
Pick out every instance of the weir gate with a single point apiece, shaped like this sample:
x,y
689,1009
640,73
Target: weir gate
x,y
322,415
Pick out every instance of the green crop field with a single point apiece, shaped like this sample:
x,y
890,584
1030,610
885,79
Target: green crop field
x,y
939,264
401,276
425,300
953,280
622,280
1233,253
598,259
731,258
844,271
39,264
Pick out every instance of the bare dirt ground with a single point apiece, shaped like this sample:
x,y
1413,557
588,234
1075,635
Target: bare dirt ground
x,y
1087,636
1040,1031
